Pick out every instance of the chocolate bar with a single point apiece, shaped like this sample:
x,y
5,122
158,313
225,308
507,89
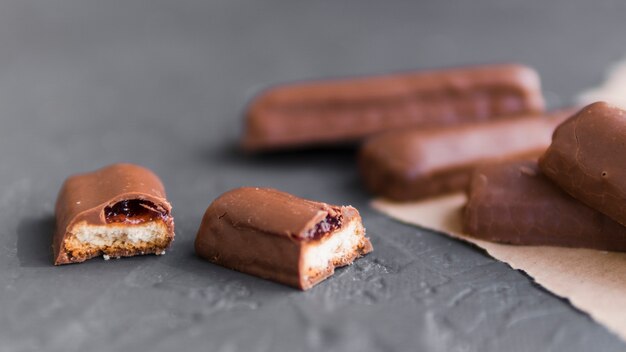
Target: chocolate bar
x,y
418,163
280,237
348,110
514,203
117,211
587,158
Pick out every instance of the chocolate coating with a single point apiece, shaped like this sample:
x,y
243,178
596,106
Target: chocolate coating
x,y
265,232
514,203
345,110
587,158
120,193
418,163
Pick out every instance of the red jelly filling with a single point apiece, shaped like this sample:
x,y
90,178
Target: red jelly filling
x,y
133,211
329,224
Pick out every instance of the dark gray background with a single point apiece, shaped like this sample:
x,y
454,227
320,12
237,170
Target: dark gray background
x,y
163,83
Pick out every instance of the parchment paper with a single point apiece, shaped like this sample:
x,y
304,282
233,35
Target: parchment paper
x,y
612,90
593,281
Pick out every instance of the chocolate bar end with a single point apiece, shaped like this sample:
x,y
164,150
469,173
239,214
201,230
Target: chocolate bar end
x,y
277,236
587,158
117,211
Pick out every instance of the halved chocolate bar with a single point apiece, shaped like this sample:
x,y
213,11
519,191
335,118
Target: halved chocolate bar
x,y
117,211
348,110
280,237
514,203
587,158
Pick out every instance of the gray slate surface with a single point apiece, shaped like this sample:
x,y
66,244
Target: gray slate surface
x,y
162,83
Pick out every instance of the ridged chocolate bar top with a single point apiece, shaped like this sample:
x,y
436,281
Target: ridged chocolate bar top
x,y
336,111
416,163
278,213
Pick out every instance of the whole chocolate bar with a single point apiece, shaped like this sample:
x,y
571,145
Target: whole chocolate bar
x,y
340,111
116,211
514,203
418,163
280,237
587,158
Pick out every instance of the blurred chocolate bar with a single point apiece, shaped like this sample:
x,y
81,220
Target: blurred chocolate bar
x,y
347,110
515,203
418,163
587,159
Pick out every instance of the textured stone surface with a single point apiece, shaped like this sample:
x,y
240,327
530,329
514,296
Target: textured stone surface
x,y
162,83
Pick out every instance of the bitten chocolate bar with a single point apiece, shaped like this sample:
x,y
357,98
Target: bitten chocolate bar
x,y
587,159
280,237
418,163
514,203
117,211
347,110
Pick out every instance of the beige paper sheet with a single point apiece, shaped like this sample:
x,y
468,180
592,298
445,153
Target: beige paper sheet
x,y
593,281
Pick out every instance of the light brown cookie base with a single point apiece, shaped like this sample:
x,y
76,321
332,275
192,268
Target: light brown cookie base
x,y
85,241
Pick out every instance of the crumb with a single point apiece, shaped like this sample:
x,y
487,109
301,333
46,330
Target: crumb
x,y
106,257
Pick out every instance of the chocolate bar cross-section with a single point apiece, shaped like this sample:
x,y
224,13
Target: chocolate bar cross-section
x,y
280,237
117,211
